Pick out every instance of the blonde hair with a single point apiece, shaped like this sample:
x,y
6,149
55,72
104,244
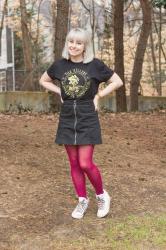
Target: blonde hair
x,y
83,36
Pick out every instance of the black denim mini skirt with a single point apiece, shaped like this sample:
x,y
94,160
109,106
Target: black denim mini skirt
x,y
78,123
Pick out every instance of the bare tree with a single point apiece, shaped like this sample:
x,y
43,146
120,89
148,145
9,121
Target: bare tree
x,y
36,39
140,51
159,88
27,47
61,26
154,62
36,48
157,22
53,17
92,16
60,22
119,53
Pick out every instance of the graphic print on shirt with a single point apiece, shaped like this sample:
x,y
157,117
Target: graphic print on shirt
x,y
75,83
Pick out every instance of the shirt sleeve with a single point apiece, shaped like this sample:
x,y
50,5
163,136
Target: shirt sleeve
x,y
54,71
103,71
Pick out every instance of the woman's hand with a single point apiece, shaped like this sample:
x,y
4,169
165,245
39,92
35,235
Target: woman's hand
x,y
96,102
61,99
59,93
115,83
47,83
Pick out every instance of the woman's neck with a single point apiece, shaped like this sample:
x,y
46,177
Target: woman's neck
x,y
76,59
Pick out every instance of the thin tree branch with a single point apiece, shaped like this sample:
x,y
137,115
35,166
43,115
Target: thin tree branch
x,y
158,36
128,6
82,2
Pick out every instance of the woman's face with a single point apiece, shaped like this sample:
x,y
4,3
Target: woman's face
x,y
75,47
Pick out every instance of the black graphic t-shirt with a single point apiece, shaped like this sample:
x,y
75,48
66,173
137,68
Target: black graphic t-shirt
x,y
79,80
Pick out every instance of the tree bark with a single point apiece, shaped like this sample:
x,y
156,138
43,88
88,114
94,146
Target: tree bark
x,y
153,57
27,47
140,51
121,103
53,15
61,27
159,87
36,48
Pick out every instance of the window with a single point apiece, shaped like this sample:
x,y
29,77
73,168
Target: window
x,y
2,81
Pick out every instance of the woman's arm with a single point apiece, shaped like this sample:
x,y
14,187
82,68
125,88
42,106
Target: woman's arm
x,y
47,83
114,83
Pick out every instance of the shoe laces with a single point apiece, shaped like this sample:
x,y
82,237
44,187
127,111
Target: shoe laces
x,y
101,203
80,208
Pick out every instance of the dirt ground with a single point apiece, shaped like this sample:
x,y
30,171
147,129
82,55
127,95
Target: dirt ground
x,y
37,196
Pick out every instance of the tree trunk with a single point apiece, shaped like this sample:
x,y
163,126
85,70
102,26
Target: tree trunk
x,y
119,53
36,49
92,23
27,47
159,87
53,15
155,71
140,51
61,27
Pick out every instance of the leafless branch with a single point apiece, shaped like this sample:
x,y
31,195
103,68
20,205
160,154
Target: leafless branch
x,y
128,6
82,2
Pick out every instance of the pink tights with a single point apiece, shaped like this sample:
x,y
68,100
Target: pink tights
x,y
81,162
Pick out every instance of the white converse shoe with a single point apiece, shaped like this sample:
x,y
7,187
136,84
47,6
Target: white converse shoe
x,y
104,202
81,208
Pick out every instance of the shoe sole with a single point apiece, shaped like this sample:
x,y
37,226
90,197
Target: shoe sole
x,y
79,217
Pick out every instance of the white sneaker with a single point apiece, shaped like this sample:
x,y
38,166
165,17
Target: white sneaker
x,y
104,202
81,208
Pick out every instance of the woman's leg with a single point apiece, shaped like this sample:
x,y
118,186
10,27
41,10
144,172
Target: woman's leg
x,y
85,153
77,174
86,163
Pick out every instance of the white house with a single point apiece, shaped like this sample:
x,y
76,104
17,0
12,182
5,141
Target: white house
x,y
7,75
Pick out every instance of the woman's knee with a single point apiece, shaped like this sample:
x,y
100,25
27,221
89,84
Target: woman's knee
x,y
85,165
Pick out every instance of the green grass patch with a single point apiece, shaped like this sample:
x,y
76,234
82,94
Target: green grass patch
x,y
146,232
133,232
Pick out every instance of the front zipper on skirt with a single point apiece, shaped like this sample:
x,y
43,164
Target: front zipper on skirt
x,y
75,122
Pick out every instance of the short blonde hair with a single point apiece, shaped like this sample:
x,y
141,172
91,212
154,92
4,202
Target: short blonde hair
x,y
83,36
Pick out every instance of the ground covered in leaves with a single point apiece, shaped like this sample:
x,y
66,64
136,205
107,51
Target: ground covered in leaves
x,y
37,197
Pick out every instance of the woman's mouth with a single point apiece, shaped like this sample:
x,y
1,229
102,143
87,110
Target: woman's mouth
x,y
72,49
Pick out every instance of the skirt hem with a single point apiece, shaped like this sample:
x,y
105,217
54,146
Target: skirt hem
x,y
84,143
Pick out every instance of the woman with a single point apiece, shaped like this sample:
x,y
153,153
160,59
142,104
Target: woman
x,y
79,130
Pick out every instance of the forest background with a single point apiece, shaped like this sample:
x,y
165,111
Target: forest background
x,y
128,35
36,197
